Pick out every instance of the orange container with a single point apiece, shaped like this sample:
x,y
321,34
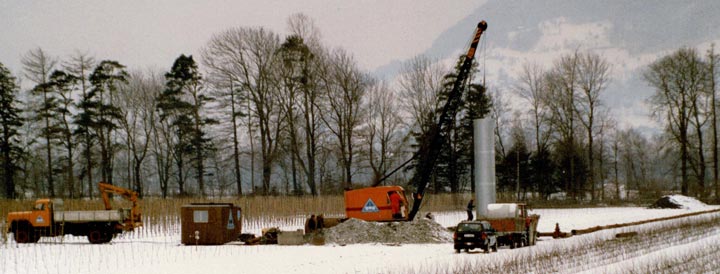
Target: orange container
x,y
373,204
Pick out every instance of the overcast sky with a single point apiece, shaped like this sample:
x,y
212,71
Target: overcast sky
x,y
153,33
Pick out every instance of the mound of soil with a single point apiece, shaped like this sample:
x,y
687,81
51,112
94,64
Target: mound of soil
x,y
678,202
354,231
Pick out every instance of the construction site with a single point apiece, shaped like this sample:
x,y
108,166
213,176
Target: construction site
x,y
413,225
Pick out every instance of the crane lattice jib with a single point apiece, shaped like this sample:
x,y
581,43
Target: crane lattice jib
x,y
430,148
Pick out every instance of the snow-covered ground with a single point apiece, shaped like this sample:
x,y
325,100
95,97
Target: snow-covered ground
x,y
151,251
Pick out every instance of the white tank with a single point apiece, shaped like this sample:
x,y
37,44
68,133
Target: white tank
x,y
501,211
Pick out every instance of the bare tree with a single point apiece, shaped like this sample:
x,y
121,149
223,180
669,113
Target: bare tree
x,y
561,83
81,65
593,76
344,87
531,87
676,81
38,65
137,101
712,71
248,56
383,141
419,83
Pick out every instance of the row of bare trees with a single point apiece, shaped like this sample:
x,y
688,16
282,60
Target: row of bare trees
x,y
260,113
577,147
302,117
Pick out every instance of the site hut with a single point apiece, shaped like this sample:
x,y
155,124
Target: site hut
x,y
210,223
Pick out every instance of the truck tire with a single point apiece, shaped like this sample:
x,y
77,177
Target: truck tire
x,y
98,236
22,236
25,233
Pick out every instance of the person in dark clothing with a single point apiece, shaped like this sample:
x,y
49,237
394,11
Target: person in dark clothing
x,y
470,207
396,203
311,224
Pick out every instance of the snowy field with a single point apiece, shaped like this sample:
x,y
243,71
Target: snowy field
x,y
145,251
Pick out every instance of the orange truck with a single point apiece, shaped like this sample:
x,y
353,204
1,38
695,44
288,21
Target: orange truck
x,y
48,219
513,226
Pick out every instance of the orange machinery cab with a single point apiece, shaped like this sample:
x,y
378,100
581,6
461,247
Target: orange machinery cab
x,y
373,204
40,216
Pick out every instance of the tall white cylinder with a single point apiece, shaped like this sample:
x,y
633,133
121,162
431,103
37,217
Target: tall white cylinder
x,y
484,164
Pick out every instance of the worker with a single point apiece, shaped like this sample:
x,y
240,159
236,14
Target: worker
x,y
311,224
395,204
320,223
470,207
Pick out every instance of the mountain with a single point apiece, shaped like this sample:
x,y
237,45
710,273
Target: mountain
x,y
629,34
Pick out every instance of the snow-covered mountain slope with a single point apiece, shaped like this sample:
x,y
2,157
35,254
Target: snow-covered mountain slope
x,y
629,34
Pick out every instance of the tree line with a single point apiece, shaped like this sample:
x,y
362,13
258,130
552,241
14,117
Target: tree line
x,y
257,113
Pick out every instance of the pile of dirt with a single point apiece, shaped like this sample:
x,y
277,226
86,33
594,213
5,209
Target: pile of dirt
x,y
678,202
354,231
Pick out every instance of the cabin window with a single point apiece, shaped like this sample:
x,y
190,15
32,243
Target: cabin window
x,y
39,206
200,216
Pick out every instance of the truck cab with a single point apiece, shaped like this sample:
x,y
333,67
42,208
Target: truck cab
x,y
26,224
39,216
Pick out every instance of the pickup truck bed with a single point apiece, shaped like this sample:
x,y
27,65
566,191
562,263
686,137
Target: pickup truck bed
x,y
91,216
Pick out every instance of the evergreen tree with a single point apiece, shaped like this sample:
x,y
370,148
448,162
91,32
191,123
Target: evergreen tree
x,y
105,81
542,171
11,121
456,158
182,102
62,84
515,166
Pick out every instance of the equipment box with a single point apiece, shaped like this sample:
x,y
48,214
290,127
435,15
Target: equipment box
x,y
210,223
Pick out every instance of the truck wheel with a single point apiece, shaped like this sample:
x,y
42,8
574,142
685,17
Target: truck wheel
x,y
22,236
95,236
34,236
107,237
494,247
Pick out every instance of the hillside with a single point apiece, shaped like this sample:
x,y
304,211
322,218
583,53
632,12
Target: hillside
x,y
630,34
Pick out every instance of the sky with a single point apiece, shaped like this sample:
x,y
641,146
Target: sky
x,y
141,34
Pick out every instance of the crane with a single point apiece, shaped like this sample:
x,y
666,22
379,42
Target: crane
x,y
132,196
429,149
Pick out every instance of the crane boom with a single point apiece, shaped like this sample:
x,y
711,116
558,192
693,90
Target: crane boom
x,y
132,196
430,146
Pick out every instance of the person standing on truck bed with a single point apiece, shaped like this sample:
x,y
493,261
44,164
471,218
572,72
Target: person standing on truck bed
x,y
470,207
395,204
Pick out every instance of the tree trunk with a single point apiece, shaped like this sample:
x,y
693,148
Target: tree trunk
x,y
236,150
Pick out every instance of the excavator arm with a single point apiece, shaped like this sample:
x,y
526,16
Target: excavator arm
x,y
132,196
430,145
